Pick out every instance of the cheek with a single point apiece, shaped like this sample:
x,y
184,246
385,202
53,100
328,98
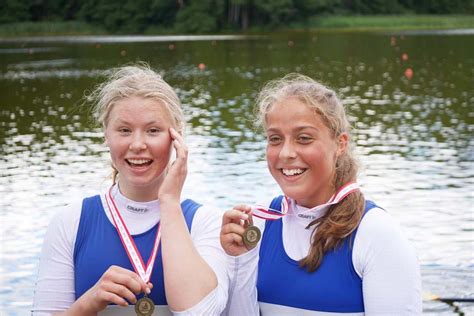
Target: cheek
x,y
162,147
271,154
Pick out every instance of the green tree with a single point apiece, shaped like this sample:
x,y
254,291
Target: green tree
x,y
312,7
443,6
239,13
275,12
163,12
375,6
125,17
197,16
14,11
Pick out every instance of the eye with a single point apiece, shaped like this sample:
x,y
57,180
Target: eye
x,y
124,130
274,139
305,139
154,130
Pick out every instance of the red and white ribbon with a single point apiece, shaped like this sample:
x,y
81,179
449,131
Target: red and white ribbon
x,y
130,247
270,214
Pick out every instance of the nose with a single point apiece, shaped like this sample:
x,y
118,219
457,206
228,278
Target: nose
x,y
287,150
138,143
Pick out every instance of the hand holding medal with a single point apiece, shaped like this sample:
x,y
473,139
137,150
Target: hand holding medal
x,y
117,286
232,230
238,233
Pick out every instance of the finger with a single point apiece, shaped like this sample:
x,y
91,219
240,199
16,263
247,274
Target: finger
x,y
243,208
250,220
231,240
180,147
149,287
125,277
178,139
111,297
232,228
181,151
122,291
234,238
176,135
233,216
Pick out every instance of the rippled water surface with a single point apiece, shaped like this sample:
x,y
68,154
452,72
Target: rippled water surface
x,y
413,134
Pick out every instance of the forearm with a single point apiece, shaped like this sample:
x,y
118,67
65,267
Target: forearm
x,y
188,278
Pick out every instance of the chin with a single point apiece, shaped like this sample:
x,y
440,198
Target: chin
x,y
292,193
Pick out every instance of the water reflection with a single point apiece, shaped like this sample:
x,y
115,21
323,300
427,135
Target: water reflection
x,y
414,136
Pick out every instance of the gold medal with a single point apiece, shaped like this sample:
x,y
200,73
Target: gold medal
x,y
144,306
251,236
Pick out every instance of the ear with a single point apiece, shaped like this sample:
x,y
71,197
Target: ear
x,y
342,143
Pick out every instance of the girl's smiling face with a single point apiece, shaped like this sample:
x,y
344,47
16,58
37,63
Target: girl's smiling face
x,y
137,134
302,152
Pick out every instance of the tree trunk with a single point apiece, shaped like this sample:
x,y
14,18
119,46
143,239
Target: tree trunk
x,y
245,18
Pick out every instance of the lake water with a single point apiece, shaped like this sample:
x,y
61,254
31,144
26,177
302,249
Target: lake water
x,y
413,134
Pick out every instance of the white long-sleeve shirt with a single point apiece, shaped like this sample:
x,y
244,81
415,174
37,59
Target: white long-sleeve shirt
x,y
54,291
382,257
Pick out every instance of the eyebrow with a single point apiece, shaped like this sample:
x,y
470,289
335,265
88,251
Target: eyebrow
x,y
299,128
124,121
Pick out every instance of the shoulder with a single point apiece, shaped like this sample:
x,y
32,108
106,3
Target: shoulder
x,y
380,238
67,215
378,221
65,222
207,214
206,219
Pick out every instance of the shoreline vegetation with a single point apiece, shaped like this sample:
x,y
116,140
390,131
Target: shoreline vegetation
x,y
349,23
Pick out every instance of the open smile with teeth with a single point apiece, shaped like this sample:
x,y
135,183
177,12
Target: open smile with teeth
x,y
139,162
292,172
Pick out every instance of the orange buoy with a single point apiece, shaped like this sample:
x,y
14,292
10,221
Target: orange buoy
x,y
408,73
123,52
404,56
202,66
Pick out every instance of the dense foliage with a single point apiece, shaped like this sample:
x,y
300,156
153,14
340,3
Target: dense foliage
x,y
201,16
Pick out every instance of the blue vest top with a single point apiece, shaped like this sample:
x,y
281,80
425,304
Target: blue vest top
x,y
98,246
333,287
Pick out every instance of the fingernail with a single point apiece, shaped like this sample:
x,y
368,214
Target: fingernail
x,y
148,291
244,216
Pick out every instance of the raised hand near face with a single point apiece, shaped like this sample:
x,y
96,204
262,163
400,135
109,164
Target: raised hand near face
x,y
173,183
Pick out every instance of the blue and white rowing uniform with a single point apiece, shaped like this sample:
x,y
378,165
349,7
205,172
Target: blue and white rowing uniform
x,y
376,274
81,241
98,247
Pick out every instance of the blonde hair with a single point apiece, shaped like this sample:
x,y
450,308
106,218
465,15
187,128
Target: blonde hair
x,y
343,218
134,80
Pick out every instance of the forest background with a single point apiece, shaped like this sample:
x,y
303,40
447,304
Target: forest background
x,y
51,17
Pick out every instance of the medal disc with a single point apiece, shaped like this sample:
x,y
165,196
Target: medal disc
x,y
144,307
251,236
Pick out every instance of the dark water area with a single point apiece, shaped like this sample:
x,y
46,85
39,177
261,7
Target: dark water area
x,y
413,132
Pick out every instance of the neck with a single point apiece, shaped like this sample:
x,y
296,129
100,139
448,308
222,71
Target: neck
x,y
317,200
139,194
